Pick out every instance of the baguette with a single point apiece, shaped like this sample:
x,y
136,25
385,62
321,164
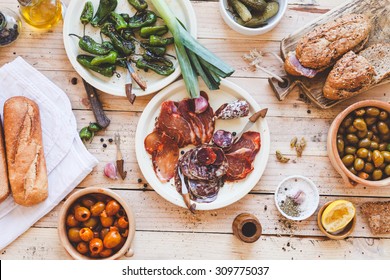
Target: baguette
x,y
378,216
24,149
4,186
355,73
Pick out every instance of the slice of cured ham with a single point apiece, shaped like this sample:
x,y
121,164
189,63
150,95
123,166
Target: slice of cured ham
x,y
250,140
165,158
152,141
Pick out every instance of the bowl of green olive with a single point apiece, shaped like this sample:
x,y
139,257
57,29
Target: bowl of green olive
x,y
359,144
96,223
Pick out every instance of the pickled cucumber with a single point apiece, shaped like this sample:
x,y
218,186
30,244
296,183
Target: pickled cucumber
x,y
241,10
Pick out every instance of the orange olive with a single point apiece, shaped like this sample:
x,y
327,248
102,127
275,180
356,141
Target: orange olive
x,y
91,223
106,221
112,207
105,253
71,221
82,214
125,233
75,206
97,208
86,234
82,247
88,201
123,222
95,245
112,239
74,234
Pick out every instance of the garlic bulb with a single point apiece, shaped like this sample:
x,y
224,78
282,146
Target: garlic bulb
x,y
110,171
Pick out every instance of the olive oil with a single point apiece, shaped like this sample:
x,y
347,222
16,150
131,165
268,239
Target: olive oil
x,y
41,13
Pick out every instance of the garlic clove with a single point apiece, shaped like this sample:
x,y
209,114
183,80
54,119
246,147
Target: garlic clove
x,y
299,197
110,171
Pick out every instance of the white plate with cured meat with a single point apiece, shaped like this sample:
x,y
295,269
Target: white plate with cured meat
x,y
177,154
115,85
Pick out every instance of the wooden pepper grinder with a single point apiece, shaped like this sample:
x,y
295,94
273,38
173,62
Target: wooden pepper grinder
x,y
247,228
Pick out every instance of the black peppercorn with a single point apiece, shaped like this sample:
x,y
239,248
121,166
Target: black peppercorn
x,y
110,140
101,140
104,145
139,180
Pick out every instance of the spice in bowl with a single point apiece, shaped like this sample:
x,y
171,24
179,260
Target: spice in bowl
x,y
296,198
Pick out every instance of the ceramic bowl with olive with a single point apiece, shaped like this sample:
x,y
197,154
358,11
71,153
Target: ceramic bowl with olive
x,y
96,223
362,141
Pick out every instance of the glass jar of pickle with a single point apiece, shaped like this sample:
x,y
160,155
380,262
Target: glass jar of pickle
x,y
41,13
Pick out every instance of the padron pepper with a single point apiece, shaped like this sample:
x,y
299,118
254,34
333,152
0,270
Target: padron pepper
x,y
142,19
109,58
118,20
88,44
103,11
121,45
139,5
159,69
104,69
128,34
159,30
85,134
87,13
150,57
159,51
157,41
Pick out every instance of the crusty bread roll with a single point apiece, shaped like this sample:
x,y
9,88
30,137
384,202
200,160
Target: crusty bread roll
x,y
325,44
4,186
25,157
355,73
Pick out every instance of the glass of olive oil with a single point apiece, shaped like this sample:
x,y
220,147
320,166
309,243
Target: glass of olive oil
x,y
41,14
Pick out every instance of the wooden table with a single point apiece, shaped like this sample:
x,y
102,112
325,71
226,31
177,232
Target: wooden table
x,y
165,231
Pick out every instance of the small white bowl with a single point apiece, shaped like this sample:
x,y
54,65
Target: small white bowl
x,y
291,185
272,22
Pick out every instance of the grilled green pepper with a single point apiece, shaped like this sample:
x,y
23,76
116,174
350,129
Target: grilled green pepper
x,y
150,57
139,5
126,17
109,58
118,20
121,45
159,51
103,11
159,30
87,13
128,34
139,20
157,41
85,134
88,44
104,69
159,69
94,127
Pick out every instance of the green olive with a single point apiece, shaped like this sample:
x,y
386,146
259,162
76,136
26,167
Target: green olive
x,y
351,129
347,122
350,150
362,153
372,112
377,174
368,167
74,234
383,115
382,147
91,222
362,134
340,145
386,156
369,156
388,147
383,128
387,170
374,145
98,208
358,164
360,112
360,124
352,139
352,170
377,158
370,121
348,160
363,175
370,134
364,143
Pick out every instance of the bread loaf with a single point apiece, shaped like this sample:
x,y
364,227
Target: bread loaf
x,y
24,149
355,73
4,186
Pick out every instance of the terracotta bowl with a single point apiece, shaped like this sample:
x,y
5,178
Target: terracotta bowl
x,y
336,236
126,249
349,178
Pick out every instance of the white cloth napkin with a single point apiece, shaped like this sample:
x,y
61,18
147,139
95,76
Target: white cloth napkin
x,y
68,161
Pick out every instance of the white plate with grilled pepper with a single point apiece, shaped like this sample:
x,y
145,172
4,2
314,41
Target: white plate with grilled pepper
x,y
137,32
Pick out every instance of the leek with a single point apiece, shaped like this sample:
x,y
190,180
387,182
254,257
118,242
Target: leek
x,y
194,59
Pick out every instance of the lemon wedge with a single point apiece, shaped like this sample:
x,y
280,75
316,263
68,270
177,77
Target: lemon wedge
x,y
337,215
